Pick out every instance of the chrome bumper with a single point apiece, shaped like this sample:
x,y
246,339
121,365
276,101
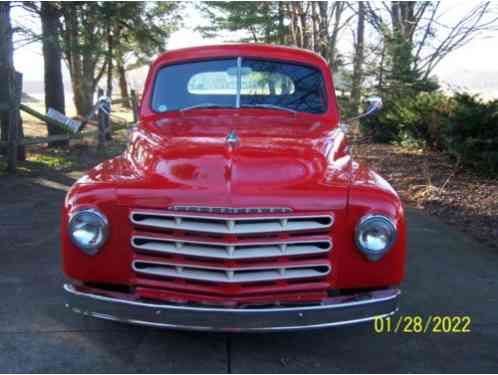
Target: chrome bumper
x,y
333,311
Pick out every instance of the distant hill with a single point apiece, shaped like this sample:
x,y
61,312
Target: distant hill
x,y
36,90
478,82
26,98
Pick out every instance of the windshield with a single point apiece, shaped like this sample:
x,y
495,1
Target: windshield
x,y
239,83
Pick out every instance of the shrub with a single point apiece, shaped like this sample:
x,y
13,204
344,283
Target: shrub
x,y
472,134
384,126
463,126
418,119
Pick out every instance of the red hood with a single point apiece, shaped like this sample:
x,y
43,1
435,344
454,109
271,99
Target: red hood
x,y
281,161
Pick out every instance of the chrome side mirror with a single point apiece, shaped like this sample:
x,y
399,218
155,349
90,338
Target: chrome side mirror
x,y
374,105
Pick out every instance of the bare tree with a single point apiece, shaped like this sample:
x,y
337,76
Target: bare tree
x,y
323,28
336,13
315,21
317,25
479,20
416,38
109,59
358,58
314,25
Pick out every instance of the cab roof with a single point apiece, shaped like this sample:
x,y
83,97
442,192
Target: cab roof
x,y
268,51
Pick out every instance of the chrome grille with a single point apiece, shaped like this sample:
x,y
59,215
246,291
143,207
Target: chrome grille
x,y
230,274
239,250
231,248
231,225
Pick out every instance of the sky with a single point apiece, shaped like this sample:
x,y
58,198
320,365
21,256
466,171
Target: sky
x,y
473,67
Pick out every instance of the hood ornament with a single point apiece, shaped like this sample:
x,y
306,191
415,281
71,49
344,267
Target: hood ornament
x,y
232,139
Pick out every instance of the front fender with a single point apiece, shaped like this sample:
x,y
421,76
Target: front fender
x,y
369,193
111,263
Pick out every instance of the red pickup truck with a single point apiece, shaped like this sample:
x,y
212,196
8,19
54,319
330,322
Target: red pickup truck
x,y
236,205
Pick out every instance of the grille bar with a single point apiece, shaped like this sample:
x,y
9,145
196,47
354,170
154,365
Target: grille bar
x,y
239,250
229,274
230,225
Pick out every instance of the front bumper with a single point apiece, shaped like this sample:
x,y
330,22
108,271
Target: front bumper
x,y
332,311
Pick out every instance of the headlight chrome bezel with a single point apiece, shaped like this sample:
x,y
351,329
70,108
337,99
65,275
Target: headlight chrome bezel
x,y
375,255
89,249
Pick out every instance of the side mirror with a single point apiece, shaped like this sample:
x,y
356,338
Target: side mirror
x,y
374,105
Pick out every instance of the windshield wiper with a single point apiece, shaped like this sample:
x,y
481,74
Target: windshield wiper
x,y
269,106
203,105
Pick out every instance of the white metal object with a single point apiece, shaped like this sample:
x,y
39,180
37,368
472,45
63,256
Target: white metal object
x,y
229,224
220,250
231,274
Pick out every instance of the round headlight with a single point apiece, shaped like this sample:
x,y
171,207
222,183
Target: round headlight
x,y
375,235
88,230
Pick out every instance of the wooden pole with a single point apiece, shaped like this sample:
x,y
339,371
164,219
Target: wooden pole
x,y
5,106
100,120
41,116
12,121
103,118
21,152
134,105
108,128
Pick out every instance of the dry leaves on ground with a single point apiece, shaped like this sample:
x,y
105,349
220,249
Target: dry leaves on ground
x,y
430,181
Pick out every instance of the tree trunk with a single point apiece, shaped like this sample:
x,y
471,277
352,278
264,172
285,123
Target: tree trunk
x,y
10,121
298,22
303,16
6,57
54,86
87,90
358,59
83,91
380,76
73,56
400,42
293,28
82,52
281,27
323,29
338,9
315,23
123,85
109,62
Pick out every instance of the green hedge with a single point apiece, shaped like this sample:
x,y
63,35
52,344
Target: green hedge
x,y
472,132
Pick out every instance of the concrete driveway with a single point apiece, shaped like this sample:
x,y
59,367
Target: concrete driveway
x,y
448,274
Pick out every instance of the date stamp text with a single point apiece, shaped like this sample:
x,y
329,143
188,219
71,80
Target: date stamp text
x,y
416,324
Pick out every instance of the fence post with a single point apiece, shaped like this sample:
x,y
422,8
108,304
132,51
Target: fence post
x,y
21,149
105,103
108,127
134,105
5,105
103,118
12,119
